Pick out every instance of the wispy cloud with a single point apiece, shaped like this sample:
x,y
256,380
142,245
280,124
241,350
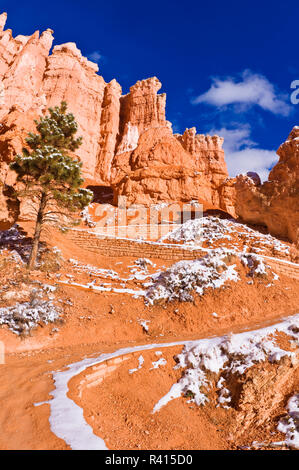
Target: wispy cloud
x,y
251,159
95,56
242,153
236,137
245,91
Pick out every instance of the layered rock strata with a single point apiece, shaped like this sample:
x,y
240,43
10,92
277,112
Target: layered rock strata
x,y
275,202
127,142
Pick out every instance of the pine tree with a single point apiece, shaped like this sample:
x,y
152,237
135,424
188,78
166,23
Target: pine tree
x,y
51,177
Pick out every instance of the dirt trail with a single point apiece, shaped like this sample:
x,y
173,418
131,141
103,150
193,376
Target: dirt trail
x,y
28,380
118,409
84,375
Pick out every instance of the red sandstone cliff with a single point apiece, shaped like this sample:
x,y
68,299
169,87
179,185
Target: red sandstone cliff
x,y
275,202
127,141
161,168
9,207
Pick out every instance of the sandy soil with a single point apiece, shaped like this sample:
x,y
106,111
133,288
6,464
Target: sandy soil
x,y
119,409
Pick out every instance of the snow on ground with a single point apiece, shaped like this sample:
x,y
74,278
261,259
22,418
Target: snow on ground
x,y
202,356
205,228
224,394
13,239
73,428
208,230
10,235
140,364
158,363
211,271
138,271
20,246
144,324
217,358
290,424
91,286
144,263
86,216
93,270
177,282
21,318
256,265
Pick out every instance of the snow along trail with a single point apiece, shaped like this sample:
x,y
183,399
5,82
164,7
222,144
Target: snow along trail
x,y
228,354
66,417
115,290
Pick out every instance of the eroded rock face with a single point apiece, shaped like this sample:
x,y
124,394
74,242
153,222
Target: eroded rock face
x,y
151,164
109,128
72,78
260,391
32,80
13,131
160,169
127,141
9,207
275,202
143,107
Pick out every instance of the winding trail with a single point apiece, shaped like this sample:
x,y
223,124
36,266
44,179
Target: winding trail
x,y
66,417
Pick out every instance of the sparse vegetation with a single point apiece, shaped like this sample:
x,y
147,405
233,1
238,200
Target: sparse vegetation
x,y
22,317
52,179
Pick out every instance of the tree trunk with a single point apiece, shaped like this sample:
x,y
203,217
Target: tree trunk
x,y
37,232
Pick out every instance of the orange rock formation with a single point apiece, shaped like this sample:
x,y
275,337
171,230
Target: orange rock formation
x,y
127,142
9,207
275,202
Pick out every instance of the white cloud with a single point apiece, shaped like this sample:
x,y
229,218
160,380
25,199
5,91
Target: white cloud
x,y
252,89
241,153
235,138
95,56
251,159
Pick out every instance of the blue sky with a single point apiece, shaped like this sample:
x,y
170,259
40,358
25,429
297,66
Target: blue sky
x,y
226,66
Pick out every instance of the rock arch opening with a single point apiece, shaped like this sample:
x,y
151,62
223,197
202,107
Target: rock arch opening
x,y
102,194
217,213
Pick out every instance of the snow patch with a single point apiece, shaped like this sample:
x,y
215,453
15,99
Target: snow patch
x,y
86,217
73,427
158,363
194,233
140,364
21,318
130,139
289,425
226,355
178,281
144,324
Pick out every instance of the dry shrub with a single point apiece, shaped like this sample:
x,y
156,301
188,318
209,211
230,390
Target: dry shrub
x,y
50,262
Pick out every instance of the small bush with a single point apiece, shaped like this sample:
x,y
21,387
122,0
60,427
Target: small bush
x,y
50,262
